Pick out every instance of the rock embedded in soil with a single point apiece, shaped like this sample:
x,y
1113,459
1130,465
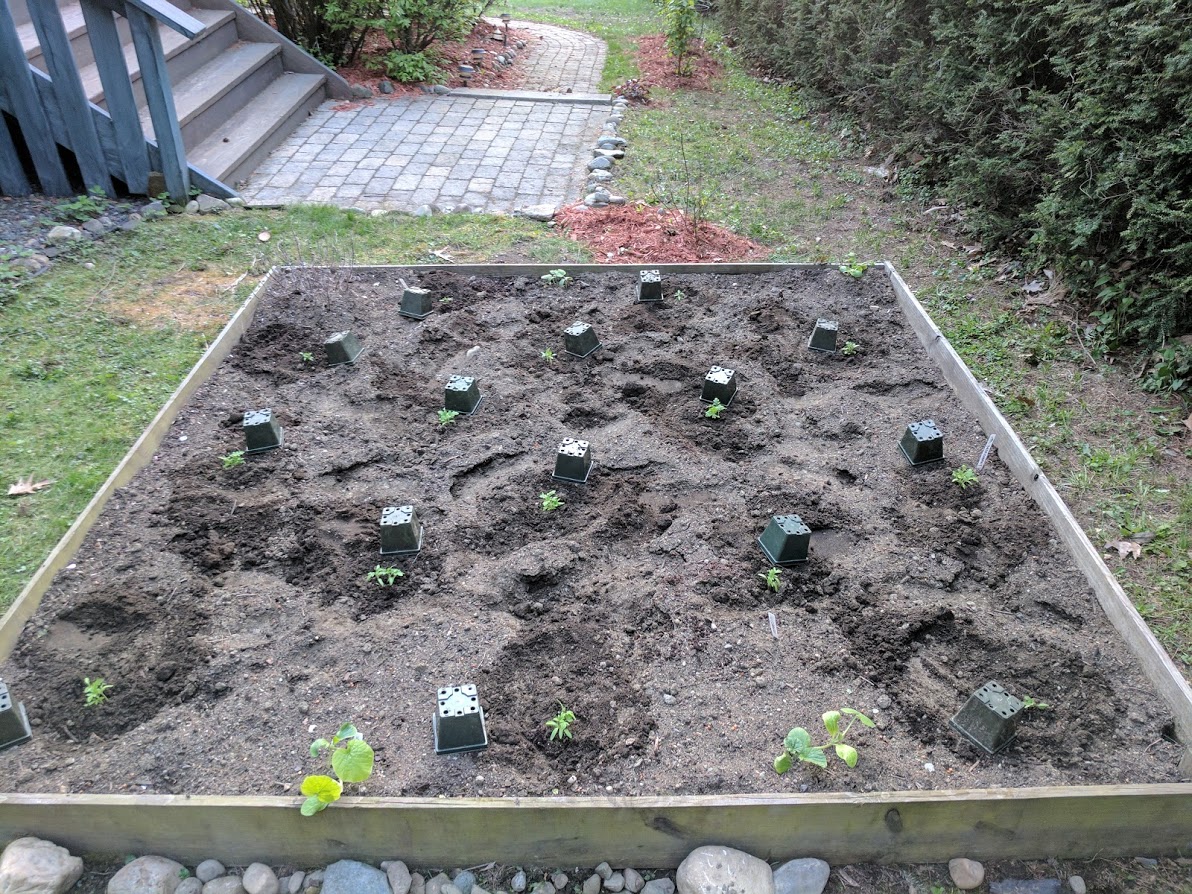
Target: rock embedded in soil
x,y
715,869
633,881
60,234
805,876
189,886
436,883
228,884
354,877
1026,886
464,881
592,884
39,867
559,880
260,879
659,886
399,876
966,874
417,883
603,870
147,875
208,870
518,882
1076,883
615,883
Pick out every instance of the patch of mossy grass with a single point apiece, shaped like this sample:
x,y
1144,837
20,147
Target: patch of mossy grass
x,y
92,353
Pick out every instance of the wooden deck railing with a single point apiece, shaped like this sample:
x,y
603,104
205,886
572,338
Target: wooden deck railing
x,y
53,110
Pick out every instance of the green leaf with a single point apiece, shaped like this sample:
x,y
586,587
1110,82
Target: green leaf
x,y
353,762
318,745
865,721
782,763
814,756
347,731
847,753
324,788
832,723
797,741
312,805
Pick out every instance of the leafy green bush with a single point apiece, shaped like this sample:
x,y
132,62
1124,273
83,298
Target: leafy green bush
x,y
409,68
681,22
413,25
1062,125
331,30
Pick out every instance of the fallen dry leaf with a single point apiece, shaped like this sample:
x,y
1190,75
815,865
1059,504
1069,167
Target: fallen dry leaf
x,y
1033,287
27,486
1125,548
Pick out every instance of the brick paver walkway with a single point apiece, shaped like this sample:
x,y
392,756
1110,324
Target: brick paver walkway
x,y
493,151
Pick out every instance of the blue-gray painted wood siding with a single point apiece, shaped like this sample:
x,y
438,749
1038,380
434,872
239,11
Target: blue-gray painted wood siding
x,y
13,181
68,89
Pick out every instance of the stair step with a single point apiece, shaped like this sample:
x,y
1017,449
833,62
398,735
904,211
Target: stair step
x,y
72,18
243,141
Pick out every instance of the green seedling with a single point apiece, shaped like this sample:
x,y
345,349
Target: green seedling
x,y
560,724
95,692
550,501
851,348
233,459
772,578
548,355
715,408
797,744
384,576
852,267
964,476
557,278
351,761
680,294
446,417
1029,702
307,356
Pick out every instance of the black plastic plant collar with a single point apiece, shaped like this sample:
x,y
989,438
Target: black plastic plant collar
x,y
401,531
14,724
579,339
719,384
989,718
922,442
786,540
462,394
342,347
573,462
415,303
649,286
261,431
459,720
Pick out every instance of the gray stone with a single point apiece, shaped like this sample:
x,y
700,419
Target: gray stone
x,y
592,884
608,153
236,202
385,87
806,876
260,879
600,176
659,886
417,883
424,211
450,889
211,205
604,871
292,884
715,869
399,876
96,227
147,875
617,200
354,877
315,878
1076,883
611,143
633,881
435,884
464,881
359,91
441,90
37,866
596,200
227,884
131,222
559,880
60,234
600,164
209,869
966,874
543,888
192,207
1026,886
518,882
1148,862
615,883
189,886
476,889
153,210
538,212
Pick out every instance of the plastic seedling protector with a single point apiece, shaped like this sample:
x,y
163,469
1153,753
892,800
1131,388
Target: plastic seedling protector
x,y
823,337
415,303
786,540
922,442
719,384
261,431
579,339
342,347
14,724
401,531
649,286
989,718
573,462
459,720
462,394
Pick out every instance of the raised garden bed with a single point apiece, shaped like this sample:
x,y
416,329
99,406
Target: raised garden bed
x,y
231,611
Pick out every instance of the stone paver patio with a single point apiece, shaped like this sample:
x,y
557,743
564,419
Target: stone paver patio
x,y
493,151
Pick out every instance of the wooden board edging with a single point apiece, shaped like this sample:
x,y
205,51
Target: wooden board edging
x,y
657,833
1150,654
138,456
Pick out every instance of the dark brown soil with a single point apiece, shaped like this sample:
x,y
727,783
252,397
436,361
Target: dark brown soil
x,y
231,611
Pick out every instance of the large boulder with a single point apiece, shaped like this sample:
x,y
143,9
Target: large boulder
x,y
723,870
147,875
35,866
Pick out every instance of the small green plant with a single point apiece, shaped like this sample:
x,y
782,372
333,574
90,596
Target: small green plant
x,y
852,267
306,356
351,761
560,724
184,873
1031,702
409,68
964,476
851,348
95,692
548,355
680,294
1172,370
773,578
82,208
385,576
797,744
446,417
550,501
233,459
557,278
715,409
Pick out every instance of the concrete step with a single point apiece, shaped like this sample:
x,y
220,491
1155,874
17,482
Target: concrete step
x,y
72,18
217,90
242,142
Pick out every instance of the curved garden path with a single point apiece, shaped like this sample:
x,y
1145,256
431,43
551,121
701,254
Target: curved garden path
x,y
492,151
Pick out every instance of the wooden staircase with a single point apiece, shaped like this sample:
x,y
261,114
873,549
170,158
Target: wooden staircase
x,y
238,87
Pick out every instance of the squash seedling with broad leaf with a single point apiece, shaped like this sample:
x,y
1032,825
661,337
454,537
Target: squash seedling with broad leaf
x,y
797,744
351,761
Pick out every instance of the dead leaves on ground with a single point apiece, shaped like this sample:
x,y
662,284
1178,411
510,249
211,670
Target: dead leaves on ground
x,y
27,486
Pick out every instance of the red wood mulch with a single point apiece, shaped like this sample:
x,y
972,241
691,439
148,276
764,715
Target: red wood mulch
x,y
638,233
658,68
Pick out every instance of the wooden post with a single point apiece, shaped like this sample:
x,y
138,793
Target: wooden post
x,y
160,98
117,88
25,105
13,181
68,90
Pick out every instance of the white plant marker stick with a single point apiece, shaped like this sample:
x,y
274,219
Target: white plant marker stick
x,y
773,624
985,452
